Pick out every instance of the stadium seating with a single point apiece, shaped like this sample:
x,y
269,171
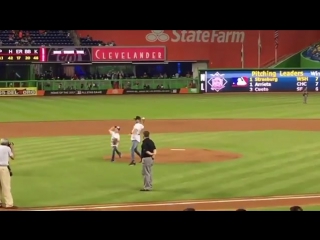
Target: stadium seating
x,y
37,38
86,39
44,38
90,42
313,52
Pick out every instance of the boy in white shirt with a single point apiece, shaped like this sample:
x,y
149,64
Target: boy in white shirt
x,y
115,140
136,139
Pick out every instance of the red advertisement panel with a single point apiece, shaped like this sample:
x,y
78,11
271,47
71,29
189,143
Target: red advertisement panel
x,y
128,54
220,48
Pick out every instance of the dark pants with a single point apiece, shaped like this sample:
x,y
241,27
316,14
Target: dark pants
x,y
114,151
305,98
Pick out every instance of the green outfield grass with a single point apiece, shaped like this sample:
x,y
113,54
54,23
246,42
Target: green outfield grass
x,y
70,170
160,107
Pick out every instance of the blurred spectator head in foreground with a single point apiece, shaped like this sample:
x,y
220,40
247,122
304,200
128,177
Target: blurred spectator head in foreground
x,y
189,209
296,208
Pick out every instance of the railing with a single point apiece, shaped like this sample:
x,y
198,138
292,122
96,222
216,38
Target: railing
x,y
18,84
52,85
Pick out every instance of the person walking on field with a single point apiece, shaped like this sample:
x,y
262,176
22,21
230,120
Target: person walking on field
x,y
6,153
148,153
305,95
135,138
115,140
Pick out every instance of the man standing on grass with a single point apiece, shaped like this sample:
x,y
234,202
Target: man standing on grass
x,y
148,153
305,95
6,152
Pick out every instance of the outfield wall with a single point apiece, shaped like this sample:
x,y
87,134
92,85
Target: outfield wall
x,y
98,87
291,62
298,60
305,62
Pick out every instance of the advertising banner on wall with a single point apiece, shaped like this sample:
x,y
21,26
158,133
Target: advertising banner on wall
x,y
151,91
214,46
18,92
128,54
75,92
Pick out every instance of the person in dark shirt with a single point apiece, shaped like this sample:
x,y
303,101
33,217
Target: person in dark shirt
x,y
148,152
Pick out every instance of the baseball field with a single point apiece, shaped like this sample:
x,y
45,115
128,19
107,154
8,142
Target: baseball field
x,y
215,152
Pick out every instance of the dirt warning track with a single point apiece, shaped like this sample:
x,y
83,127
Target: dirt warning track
x,y
70,128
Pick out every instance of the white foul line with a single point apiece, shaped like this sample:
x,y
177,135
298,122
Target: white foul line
x,y
180,203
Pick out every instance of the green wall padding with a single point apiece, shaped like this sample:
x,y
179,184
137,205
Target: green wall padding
x,y
308,63
291,62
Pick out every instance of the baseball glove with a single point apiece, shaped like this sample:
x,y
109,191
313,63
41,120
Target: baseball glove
x,y
114,141
10,171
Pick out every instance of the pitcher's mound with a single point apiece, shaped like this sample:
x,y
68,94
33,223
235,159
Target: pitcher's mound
x,y
179,155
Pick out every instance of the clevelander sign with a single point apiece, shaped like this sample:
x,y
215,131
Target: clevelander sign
x,y
18,92
200,36
128,54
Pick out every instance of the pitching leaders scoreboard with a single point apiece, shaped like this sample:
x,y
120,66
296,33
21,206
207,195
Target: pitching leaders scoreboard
x,y
259,80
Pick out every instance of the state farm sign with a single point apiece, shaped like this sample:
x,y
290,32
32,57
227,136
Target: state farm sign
x,y
198,36
128,54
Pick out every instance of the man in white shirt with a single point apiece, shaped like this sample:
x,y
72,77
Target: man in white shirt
x,y
6,153
115,140
136,139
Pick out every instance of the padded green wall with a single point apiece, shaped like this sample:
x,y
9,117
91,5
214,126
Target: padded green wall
x,y
308,63
291,62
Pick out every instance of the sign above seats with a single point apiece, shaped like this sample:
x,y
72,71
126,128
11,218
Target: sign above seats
x,y
129,54
71,54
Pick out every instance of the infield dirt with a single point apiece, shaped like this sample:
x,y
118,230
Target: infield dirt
x,y
185,156
71,128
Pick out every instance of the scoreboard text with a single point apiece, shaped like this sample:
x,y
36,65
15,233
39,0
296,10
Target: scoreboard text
x,y
20,54
262,80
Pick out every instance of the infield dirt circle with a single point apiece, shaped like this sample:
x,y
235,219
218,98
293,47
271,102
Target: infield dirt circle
x,y
69,128
181,155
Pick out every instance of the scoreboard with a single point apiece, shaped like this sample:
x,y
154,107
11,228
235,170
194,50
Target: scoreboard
x,y
44,54
21,54
259,80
